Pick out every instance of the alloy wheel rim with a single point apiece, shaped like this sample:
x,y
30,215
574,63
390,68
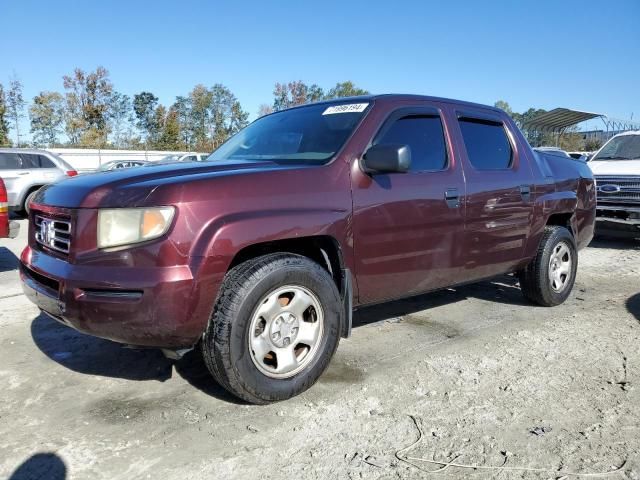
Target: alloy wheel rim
x,y
560,267
286,331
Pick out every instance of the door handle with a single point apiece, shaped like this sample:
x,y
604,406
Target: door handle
x,y
452,197
24,173
525,192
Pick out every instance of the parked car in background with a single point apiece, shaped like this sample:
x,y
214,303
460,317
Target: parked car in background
x,y
259,254
186,157
116,164
24,171
553,151
583,156
8,228
616,167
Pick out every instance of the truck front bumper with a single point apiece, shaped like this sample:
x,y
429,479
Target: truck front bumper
x,y
145,307
618,220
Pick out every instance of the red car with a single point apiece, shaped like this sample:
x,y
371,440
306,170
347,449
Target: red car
x,y
8,228
260,253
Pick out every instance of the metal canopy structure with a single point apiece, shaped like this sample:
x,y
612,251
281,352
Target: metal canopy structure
x,y
559,119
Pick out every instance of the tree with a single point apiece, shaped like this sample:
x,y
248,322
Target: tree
x,y
4,127
88,100
15,105
264,109
345,89
200,99
144,107
120,118
225,114
182,107
168,129
287,95
503,105
47,116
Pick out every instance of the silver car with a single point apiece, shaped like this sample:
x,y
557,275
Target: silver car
x,y
24,171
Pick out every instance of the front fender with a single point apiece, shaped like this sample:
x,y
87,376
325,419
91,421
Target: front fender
x,y
221,239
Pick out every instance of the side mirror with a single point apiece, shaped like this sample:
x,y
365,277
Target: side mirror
x,y
389,158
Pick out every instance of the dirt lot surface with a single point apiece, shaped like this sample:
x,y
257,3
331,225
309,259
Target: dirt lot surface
x,y
490,380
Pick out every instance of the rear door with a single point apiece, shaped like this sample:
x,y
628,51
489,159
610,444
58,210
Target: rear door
x,y
16,179
499,201
408,227
43,170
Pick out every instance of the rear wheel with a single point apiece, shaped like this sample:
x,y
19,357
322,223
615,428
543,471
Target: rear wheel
x,y
274,328
549,278
27,201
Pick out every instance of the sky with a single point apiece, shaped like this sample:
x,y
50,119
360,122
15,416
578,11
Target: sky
x,y
544,54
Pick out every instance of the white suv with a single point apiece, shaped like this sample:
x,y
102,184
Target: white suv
x,y
24,171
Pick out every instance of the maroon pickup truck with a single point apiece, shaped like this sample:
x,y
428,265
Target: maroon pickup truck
x,y
260,254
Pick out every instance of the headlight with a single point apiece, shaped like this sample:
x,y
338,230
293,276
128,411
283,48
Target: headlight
x,y
124,226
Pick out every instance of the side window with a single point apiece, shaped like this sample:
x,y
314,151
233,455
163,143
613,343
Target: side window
x,y
10,161
425,137
45,162
29,161
487,144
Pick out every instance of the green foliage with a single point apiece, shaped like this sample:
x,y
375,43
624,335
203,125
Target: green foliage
x,y
592,144
264,109
169,129
88,101
182,107
345,89
4,126
290,94
226,114
47,116
144,107
15,105
501,104
200,99
120,119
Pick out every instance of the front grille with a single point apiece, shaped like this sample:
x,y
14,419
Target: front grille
x,y
618,189
53,233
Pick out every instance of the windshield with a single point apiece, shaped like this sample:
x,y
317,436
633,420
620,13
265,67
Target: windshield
x,y
624,147
312,134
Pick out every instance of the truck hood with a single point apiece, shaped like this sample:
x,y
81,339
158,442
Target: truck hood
x,y
131,186
615,167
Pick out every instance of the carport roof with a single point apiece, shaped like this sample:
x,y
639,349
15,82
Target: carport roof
x,y
559,119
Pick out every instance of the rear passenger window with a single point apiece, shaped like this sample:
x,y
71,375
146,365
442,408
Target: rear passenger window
x,y
32,160
424,136
45,162
10,161
487,144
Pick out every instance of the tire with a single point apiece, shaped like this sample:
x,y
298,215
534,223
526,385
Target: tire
x,y
549,278
27,200
254,345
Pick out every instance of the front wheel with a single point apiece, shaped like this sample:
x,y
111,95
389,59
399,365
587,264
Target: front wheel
x,y
274,327
549,278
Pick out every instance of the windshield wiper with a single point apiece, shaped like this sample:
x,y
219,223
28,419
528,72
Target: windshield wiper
x,y
613,158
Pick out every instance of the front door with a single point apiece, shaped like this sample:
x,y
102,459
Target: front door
x,y
409,227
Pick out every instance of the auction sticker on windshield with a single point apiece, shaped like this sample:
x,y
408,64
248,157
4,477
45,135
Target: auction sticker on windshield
x,y
350,108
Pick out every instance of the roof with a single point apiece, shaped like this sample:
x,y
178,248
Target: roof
x,y
393,97
559,119
23,150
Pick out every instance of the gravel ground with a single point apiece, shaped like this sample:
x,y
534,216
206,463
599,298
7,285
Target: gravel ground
x,y
485,378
